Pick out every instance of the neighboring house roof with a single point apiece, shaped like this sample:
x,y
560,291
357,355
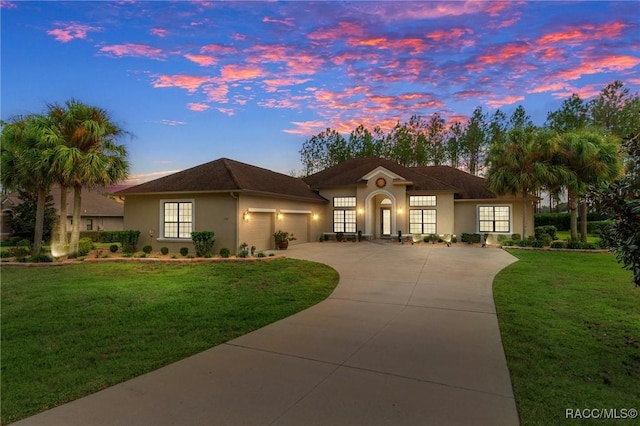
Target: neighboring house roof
x,y
467,186
94,203
227,175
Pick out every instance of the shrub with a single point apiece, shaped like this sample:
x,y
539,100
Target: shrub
x,y
261,254
184,251
164,250
602,243
549,230
454,239
558,244
470,238
84,246
502,237
225,252
545,239
271,254
243,253
339,236
598,227
516,237
40,258
19,251
128,240
11,241
147,249
113,248
203,241
507,243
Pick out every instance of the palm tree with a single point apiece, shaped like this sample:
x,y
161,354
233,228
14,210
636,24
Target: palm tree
x,y
23,159
590,158
523,164
85,155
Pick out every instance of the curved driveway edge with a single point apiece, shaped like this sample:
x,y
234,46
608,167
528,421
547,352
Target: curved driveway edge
x,y
409,336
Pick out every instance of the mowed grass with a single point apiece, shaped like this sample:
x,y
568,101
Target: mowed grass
x,y
68,331
570,325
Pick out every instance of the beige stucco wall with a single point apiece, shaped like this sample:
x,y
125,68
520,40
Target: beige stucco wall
x,y
304,219
368,207
212,212
466,215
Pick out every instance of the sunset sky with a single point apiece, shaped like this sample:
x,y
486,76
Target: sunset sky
x,y
251,81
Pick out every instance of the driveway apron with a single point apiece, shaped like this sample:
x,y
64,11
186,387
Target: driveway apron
x,y
408,337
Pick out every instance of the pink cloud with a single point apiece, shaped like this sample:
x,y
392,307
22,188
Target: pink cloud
x,y
135,50
577,35
274,83
241,72
217,49
507,100
70,31
189,82
158,32
202,60
287,21
217,93
138,178
197,106
598,64
4,4
226,111
306,127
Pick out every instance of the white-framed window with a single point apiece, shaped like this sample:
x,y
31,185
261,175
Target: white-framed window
x,y
494,219
344,220
177,218
422,201
422,221
344,201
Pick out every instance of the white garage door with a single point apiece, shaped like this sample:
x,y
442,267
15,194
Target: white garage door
x,y
257,231
298,224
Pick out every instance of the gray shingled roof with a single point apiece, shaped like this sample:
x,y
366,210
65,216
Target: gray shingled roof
x,y
227,175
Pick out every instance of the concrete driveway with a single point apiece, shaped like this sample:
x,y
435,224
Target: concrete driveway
x,y
409,337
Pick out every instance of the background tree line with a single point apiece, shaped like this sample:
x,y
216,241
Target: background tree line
x,y
73,146
426,141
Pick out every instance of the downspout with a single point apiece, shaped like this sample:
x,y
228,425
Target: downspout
x,y
237,220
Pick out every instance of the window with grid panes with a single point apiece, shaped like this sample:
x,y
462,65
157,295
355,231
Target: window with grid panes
x,y
422,221
422,200
177,219
494,219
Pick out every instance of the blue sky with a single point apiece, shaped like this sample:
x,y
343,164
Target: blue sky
x,y
251,81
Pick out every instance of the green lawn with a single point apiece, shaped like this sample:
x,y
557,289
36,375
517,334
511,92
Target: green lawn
x,y
566,236
68,331
570,325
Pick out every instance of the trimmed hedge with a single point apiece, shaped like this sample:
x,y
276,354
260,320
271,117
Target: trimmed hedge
x,y
562,221
128,239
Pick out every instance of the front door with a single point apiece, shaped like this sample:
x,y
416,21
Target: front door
x,y
385,221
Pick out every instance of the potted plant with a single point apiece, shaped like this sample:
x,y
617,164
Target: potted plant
x,y
282,239
244,251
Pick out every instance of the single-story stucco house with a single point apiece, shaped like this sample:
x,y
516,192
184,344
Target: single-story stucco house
x,y
379,197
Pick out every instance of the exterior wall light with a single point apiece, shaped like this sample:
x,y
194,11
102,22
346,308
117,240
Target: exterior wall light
x,y
361,211
279,216
315,216
246,216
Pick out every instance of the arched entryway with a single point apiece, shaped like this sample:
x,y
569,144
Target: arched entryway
x,y
380,214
